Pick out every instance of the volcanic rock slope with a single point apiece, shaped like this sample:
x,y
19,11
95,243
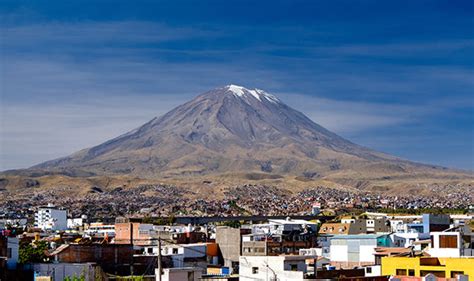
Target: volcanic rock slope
x,y
230,130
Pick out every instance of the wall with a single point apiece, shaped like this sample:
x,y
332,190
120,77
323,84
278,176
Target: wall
x,y
366,253
229,241
338,253
59,271
50,218
112,257
436,251
447,265
124,232
13,248
375,270
347,253
181,274
269,266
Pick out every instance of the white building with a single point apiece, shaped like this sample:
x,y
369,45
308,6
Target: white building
x,y
51,218
445,244
279,226
74,223
184,255
408,239
373,270
99,229
348,251
281,268
180,274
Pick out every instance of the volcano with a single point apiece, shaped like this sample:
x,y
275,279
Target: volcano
x,y
230,129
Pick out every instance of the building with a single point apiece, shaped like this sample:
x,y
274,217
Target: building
x,y
433,222
339,228
61,271
51,218
273,267
98,229
279,237
180,274
113,258
409,239
229,241
348,251
422,266
141,234
451,244
198,255
13,252
367,226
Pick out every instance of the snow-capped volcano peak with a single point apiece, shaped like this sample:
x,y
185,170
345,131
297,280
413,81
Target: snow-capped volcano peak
x,y
240,91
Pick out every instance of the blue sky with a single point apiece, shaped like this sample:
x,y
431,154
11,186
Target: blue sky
x,y
396,76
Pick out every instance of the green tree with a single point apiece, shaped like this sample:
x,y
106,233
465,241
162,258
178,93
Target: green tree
x,y
33,252
75,278
233,224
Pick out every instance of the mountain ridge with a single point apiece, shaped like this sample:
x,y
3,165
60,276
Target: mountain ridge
x,y
230,128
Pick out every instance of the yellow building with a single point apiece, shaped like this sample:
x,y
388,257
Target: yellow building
x,y
421,266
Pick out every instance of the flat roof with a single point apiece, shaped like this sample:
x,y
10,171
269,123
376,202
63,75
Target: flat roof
x,y
358,236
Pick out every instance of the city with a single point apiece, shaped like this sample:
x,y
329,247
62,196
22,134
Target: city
x,y
226,140
51,244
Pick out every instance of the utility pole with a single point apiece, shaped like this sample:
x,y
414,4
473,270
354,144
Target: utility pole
x,y
159,259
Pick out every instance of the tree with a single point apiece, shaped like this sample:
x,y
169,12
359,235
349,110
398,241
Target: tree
x,y
233,224
33,252
75,278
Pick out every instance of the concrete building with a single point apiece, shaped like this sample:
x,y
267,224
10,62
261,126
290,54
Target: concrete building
x,y
279,237
348,251
273,267
61,271
198,255
113,258
409,239
51,218
349,226
433,222
229,241
141,234
180,274
422,266
98,229
445,244
75,223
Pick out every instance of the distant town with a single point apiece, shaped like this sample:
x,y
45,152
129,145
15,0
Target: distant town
x,y
255,233
173,201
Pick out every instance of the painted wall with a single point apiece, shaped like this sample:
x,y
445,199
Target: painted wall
x,y
448,265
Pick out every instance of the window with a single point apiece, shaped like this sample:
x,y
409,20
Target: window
x,y
411,272
254,270
401,272
150,250
454,274
435,273
293,267
448,241
368,269
175,250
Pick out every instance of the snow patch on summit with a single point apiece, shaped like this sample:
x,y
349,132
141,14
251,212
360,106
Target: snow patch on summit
x,y
240,91
237,90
